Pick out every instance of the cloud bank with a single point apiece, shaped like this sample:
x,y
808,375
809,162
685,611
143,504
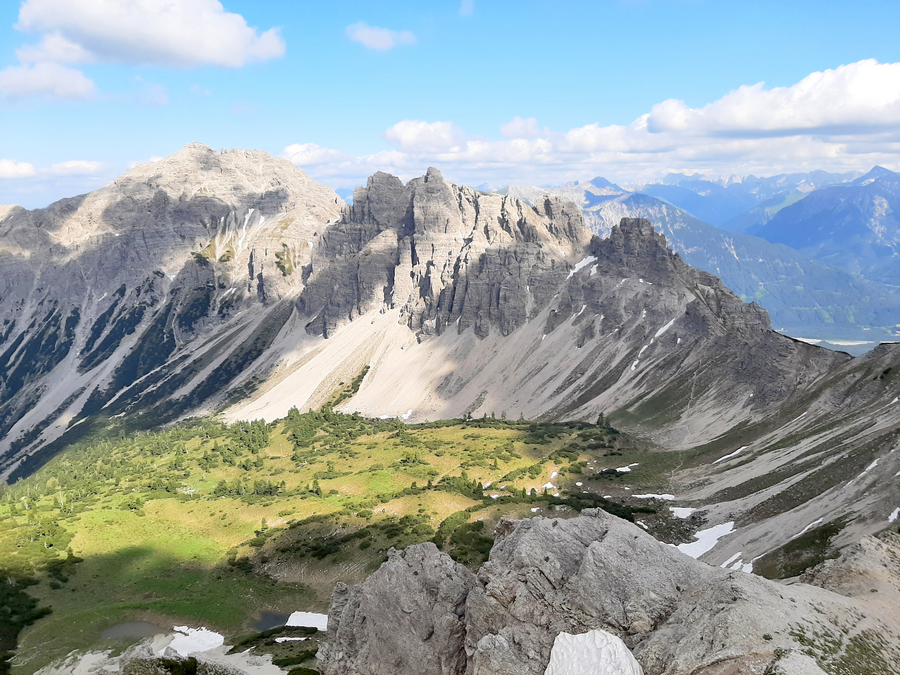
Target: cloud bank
x,y
182,34
847,118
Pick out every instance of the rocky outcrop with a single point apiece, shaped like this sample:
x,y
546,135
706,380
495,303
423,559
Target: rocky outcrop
x,y
445,255
408,618
678,616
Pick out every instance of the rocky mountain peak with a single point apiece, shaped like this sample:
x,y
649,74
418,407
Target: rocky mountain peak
x,y
444,254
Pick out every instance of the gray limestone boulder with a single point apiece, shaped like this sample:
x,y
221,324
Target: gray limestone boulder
x,y
408,618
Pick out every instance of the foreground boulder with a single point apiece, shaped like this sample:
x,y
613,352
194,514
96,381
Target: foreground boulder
x,y
407,618
423,613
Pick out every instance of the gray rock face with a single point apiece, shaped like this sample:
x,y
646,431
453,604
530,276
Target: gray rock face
x,y
678,616
101,290
444,254
408,618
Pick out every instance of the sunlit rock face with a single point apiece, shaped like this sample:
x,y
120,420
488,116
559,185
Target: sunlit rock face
x,y
593,653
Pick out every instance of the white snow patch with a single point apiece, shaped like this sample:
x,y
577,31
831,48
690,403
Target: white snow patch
x,y
642,524
626,469
896,399
189,641
535,509
554,475
593,653
485,486
308,620
681,511
578,484
641,353
407,414
290,639
808,528
594,270
666,497
733,454
706,539
579,265
548,486
495,496
736,556
662,330
894,515
634,365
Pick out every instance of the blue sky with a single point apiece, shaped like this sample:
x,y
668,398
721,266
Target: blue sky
x,y
498,92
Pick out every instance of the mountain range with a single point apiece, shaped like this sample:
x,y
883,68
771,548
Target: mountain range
x,y
230,282
805,296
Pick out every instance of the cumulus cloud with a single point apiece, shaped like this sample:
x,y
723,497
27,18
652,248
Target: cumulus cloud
x,y
53,48
467,8
380,39
75,167
418,136
518,127
49,80
160,32
186,33
12,169
842,119
855,98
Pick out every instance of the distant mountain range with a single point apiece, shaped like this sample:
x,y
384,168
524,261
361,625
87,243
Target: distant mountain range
x,y
855,226
804,296
722,201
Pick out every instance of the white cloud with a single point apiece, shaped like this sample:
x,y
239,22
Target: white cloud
x,y
467,8
53,48
381,39
853,98
840,120
418,136
186,33
49,80
13,169
518,127
310,154
76,167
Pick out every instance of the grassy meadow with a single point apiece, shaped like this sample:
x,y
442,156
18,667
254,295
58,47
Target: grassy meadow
x,y
210,524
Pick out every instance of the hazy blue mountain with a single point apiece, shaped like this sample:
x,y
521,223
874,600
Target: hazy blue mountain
x,y
855,226
723,201
763,213
804,296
